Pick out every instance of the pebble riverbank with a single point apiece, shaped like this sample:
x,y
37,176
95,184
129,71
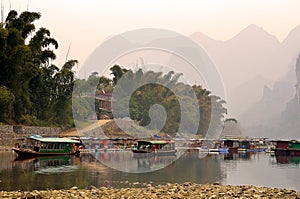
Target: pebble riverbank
x,y
186,190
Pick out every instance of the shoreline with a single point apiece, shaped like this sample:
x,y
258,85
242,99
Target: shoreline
x,y
185,190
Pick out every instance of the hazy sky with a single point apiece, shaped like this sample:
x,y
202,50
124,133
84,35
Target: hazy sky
x,y
86,23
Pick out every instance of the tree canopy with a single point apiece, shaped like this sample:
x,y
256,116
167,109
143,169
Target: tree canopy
x,y
136,94
39,92
34,91
178,99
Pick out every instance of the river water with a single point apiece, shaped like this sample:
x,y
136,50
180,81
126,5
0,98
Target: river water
x,y
63,172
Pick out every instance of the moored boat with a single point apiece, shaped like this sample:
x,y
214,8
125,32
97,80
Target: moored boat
x,y
289,148
231,144
156,147
243,146
37,146
294,148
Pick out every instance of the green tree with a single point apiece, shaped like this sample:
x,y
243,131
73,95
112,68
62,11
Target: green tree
x,y
41,90
117,72
20,61
64,82
6,104
163,93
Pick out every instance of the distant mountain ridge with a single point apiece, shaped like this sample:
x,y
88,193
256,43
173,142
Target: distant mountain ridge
x,y
251,55
248,62
276,115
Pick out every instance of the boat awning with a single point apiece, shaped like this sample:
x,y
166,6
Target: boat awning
x,y
152,142
55,140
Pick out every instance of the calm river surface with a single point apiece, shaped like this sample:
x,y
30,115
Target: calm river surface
x,y
64,172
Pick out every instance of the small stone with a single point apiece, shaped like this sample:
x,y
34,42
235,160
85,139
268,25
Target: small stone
x,y
187,184
33,196
74,188
288,191
216,183
213,196
82,194
92,187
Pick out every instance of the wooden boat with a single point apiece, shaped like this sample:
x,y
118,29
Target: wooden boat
x,y
294,148
156,147
289,148
37,146
244,145
231,144
217,146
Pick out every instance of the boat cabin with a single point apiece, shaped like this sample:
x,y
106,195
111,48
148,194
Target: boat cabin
x,y
154,146
44,146
244,144
233,143
51,144
282,144
294,145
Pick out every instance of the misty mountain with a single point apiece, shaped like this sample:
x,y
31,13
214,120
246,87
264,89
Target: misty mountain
x,y
103,54
249,63
242,97
265,118
251,55
291,45
177,53
273,114
244,56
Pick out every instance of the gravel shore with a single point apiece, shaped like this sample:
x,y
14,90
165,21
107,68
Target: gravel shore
x,y
186,190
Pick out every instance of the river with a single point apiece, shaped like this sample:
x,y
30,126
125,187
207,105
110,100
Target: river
x,y
64,172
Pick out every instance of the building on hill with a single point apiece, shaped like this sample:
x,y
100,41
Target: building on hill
x,y
105,109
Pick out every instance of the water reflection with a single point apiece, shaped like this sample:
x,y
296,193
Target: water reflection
x,y
40,173
43,173
195,166
134,162
237,155
287,159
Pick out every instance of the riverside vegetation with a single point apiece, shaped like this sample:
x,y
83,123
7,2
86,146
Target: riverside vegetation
x,y
210,107
34,91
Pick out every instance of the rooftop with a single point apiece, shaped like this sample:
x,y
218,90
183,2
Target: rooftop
x,y
55,139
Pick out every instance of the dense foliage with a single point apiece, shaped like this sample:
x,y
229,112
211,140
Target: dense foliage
x,y
178,99
161,91
33,91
